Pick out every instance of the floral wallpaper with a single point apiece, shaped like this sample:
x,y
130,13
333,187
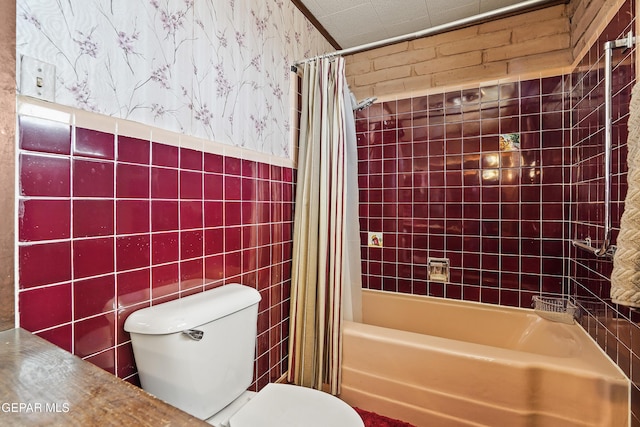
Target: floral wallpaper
x,y
215,69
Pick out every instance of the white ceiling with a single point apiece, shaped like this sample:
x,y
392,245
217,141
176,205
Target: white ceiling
x,y
356,22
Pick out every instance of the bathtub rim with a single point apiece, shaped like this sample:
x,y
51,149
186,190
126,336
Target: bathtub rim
x,y
482,347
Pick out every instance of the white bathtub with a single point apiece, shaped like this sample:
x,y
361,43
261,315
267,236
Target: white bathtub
x,y
438,363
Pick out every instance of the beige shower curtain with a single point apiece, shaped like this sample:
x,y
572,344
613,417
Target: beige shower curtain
x,y
326,276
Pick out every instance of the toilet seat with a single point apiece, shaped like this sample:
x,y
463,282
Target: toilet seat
x,y
284,405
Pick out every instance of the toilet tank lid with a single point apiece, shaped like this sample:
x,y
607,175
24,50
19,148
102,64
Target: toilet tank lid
x,y
191,311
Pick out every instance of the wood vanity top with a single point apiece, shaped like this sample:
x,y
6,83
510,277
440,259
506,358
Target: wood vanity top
x,y
41,384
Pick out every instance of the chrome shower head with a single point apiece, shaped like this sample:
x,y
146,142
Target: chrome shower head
x,y
365,103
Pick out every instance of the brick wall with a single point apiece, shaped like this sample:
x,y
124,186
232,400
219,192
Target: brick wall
x,y
540,43
589,18
538,40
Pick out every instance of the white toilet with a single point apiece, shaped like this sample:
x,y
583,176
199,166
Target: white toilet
x,y
197,353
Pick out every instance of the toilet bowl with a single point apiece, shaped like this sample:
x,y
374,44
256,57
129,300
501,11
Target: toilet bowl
x,y
197,353
289,405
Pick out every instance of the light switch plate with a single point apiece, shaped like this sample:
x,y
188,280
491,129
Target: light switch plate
x,y
37,79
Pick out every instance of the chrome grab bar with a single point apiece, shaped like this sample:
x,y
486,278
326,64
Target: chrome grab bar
x,y
607,249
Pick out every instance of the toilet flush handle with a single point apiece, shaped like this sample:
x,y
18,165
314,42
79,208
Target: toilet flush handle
x,y
194,334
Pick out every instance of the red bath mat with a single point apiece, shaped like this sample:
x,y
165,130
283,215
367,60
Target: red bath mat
x,y
371,419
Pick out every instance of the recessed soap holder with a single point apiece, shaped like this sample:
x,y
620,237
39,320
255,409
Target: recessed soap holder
x,y
438,269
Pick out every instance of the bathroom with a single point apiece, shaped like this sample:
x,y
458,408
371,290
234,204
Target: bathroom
x,y
507,238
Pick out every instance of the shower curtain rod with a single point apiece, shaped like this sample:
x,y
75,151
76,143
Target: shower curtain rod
x,y
460,23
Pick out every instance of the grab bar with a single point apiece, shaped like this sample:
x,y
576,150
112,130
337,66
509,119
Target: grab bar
x,y
607,249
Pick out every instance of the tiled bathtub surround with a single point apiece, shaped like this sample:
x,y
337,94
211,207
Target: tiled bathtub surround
x,y
614,327
436,182
110,223
439,179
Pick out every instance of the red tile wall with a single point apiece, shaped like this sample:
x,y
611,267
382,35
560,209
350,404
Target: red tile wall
x,y
614,327
436,182
110,224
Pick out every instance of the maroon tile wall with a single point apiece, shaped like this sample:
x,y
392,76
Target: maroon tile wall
x,y
433,178
614,327
437,181
110,224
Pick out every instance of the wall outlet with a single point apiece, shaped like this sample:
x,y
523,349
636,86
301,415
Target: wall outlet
x,y
37,79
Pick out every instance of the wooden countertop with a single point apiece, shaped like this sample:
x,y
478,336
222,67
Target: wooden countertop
x,y
41,384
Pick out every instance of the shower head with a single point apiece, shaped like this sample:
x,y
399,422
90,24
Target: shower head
x,y
365,103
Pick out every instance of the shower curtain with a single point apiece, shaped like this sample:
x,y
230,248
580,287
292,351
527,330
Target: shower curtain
x,y
326,270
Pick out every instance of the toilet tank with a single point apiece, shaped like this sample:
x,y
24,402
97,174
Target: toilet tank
x,y
199,376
